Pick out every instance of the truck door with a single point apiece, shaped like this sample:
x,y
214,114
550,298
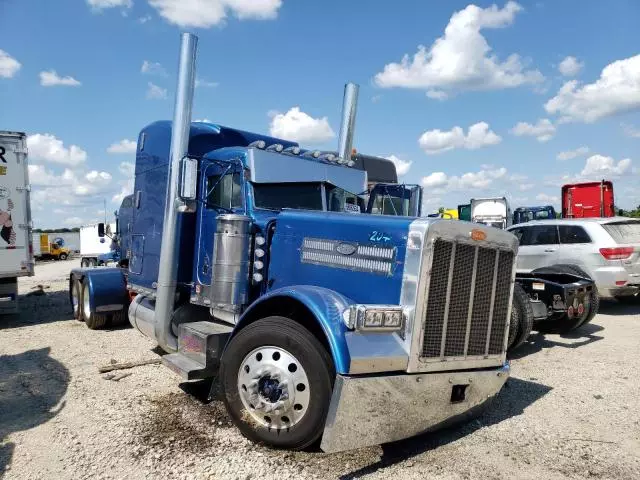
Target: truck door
x,y
222,188
538,246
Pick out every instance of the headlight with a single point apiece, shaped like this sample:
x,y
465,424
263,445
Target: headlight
x,y
387,318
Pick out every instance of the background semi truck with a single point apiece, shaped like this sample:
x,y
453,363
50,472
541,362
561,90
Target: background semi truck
x,y
16,255
588,200
96,250
250,261
494,212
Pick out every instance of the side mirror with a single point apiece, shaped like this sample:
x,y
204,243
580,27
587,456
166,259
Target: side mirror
x,y
101,230
188,179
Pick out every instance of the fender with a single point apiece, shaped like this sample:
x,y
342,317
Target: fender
x,y
325,305
107,288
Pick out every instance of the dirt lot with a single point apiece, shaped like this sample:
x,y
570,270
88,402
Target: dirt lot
x,y
570,410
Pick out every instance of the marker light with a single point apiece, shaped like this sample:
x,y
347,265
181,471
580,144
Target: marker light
x,y
257,277
384,318
260,240
275,147
258,265
259,253
292,150
258,144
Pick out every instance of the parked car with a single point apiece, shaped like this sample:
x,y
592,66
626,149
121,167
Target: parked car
x,y
607,249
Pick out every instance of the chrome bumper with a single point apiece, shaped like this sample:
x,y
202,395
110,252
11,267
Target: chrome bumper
x,y
372,410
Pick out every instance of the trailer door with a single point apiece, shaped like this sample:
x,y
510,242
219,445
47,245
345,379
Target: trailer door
x,y
15,214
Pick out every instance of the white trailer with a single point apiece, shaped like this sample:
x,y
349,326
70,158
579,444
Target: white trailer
x,y
92,247
494,212
16,254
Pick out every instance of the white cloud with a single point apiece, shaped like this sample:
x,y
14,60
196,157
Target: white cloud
x,y
523,187
41,177
200,82
9,66
435,180
630,130
207,13
156,92
548,199
571,154
616,91
478,136
600,165
51,79
144,19
73,221
462,59
48,148
402,166
123,146
99,5
127,169
543,130
440,182
570,66
297,126
153,68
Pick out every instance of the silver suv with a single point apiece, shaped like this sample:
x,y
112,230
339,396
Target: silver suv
x,y
608,249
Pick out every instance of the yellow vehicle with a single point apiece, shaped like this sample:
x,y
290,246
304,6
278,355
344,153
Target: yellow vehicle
x,y
450,214
51,248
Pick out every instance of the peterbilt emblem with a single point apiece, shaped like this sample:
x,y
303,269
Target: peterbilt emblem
x,y
478,234
346,248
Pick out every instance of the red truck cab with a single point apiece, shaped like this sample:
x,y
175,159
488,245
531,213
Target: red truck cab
x,y
588,200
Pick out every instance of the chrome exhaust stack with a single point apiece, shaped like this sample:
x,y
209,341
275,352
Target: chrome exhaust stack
x,y
348,123
169,249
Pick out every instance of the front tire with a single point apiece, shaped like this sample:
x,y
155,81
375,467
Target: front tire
x,y
277,380
94,321
62,256
521,321
76,300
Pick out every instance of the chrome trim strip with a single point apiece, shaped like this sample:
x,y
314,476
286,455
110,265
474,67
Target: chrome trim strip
x,y
445,320
147,292
493,299
471,297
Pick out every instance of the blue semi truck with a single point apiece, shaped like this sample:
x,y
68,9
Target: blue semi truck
x,y
252,260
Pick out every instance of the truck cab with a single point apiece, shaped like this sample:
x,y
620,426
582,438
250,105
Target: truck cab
x,y
528,214
251,261
494,212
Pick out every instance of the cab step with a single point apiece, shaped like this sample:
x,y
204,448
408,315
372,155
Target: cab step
x,y
200,345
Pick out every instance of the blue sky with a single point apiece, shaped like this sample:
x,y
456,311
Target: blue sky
x,y
494,97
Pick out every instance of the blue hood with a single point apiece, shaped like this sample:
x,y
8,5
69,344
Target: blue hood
x,y
359,256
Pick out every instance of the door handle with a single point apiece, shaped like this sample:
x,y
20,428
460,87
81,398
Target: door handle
x,y
549,250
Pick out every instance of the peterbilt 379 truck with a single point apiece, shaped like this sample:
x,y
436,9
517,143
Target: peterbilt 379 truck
x,y
249,261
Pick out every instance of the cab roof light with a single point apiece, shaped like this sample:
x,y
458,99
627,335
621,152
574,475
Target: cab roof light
x,y
261,144
276,147
328,157
616,253
311,154
292,150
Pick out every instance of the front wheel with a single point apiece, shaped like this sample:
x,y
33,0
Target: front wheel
x,y
62,256
521,320
277,380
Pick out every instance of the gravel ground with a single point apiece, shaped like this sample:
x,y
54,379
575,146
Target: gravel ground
x,y
570,410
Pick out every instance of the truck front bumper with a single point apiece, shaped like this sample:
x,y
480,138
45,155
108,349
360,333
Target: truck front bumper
x,y
372,410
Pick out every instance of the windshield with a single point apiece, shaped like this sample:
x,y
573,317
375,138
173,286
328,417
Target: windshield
x,y
624,232
304,196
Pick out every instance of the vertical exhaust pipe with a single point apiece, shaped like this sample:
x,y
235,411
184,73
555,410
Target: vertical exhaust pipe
x,y
348,124
169,248
602,198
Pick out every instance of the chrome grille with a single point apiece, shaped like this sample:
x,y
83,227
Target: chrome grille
x,y
477,282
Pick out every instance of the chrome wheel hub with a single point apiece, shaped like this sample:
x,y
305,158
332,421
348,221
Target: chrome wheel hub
x,y
274,387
